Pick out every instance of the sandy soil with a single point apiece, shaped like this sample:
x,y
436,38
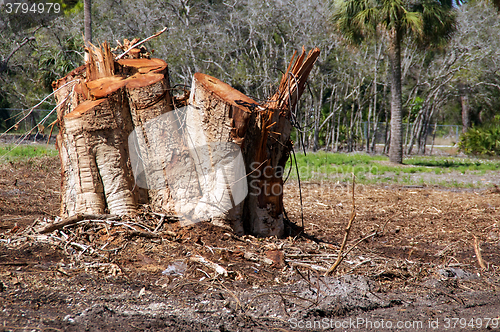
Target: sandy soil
x,y
413,267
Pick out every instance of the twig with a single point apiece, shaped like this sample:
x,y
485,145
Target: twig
x,y
359,264
208,276
51,130
129,224
316,256
359,241
340,257
313,267
477,249
256,258
140,43
167,217
233,295
147,235
281,295
62,272
73,220
160,224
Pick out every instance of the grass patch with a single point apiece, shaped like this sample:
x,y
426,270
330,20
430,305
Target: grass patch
x,y
454,163
321,166
25,151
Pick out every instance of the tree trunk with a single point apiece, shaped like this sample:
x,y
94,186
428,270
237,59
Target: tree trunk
x,y
223,113
464,101
198,161
87,21
267,147
95,123
149,98
98,131
396,147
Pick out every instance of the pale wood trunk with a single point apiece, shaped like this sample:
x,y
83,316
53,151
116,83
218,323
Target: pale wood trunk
x,y
96,135
69,96
220,115
149,97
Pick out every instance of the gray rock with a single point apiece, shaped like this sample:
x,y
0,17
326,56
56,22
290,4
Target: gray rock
x,y
455,273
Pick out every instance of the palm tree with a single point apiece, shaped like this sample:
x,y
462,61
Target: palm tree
x,y
429,22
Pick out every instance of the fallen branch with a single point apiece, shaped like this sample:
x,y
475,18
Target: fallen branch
x,y
73,220
479,257
340,257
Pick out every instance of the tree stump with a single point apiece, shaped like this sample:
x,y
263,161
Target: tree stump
x,y
221,158
217,126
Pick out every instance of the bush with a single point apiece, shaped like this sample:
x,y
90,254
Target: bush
x,y
482,140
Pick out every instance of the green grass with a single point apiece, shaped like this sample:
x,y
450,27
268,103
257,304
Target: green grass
x,y
25,151
369,169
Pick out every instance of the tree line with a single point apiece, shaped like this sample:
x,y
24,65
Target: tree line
x,y
448,73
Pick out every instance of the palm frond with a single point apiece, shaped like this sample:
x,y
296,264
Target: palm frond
x,y
347,20
431,22
439,22
413,22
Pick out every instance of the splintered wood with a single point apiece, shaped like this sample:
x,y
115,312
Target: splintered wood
x,y
184,155
268,147
293,82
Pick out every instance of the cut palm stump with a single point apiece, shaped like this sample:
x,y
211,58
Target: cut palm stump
x,y
186,165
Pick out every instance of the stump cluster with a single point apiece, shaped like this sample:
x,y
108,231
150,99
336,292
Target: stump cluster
x,y
122,143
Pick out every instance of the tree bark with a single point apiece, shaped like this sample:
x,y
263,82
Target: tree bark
x,y
149,97
70,96
95,123
396,147
266,153
96,133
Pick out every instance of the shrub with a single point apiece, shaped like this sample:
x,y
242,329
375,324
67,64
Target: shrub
x,y
482,140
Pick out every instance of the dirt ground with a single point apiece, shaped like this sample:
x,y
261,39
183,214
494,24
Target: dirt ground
x,y
410,264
